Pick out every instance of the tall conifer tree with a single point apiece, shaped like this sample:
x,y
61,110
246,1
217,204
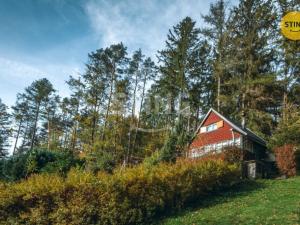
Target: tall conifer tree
x,y
217,34
251,60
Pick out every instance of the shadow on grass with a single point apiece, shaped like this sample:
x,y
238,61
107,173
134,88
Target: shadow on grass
x,y
217,197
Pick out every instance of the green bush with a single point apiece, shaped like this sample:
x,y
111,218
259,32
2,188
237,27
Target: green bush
x,y
129,196
100,161
13,168
153,159
233,154
37,161
40,161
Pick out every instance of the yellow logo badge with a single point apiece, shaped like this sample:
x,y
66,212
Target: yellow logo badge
x,y
290,26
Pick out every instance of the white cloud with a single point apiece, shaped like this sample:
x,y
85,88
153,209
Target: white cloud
x,y
140,24
15,69
16,75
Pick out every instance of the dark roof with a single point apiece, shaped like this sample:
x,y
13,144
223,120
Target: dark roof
x,y
245,131
255,137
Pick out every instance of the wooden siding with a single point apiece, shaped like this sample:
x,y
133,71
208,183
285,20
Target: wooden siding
x,y
221,134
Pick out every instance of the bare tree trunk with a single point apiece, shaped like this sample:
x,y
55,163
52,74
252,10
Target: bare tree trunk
x,y
109,102
65,132
74,133
134,96
74,138
35,126
127,157
285,95
94,122
197,116
218,93
49,132
284,105
132,120
243,110
115,131
140,111
26,135
64,140
172,104
17,138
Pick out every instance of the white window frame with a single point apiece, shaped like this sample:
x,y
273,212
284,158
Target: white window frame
x,y
237,141
211,127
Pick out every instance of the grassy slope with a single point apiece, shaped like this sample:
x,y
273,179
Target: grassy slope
x,y
261,202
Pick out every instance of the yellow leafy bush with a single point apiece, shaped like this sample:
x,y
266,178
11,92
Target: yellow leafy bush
x,y
131,196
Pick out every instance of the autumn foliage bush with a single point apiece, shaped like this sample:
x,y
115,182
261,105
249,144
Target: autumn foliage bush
x,y
286,160
230,154
233,154
129,196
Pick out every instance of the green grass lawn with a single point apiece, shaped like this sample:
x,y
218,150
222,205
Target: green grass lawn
x,y
260,202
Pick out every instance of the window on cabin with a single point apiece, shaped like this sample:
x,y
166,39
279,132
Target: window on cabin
x,y
237,141
216,147
211,127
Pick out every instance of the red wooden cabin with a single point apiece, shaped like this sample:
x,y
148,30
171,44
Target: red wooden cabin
x,y
216,132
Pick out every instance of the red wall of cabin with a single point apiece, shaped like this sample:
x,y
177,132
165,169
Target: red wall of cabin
x,y
216,136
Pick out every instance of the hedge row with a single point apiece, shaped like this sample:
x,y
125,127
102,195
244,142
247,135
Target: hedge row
x,y
132,196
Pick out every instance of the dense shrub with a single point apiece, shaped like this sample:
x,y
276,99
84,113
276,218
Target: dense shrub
x,y
37,161
285,160
233,154
40,161
230,154
153,159
129,196
288,129
13,168
100,161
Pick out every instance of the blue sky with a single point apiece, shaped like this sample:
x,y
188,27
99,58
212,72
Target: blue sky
x,y
51,38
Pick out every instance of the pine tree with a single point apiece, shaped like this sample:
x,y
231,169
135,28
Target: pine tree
x,y
21,115
115,64
135,76
94,91
216,33
38,95
135,73
200,89
185,76
251,64
74,105
69,108
120,119
148,73
52,130
92,86
288,60
179,62
288,129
